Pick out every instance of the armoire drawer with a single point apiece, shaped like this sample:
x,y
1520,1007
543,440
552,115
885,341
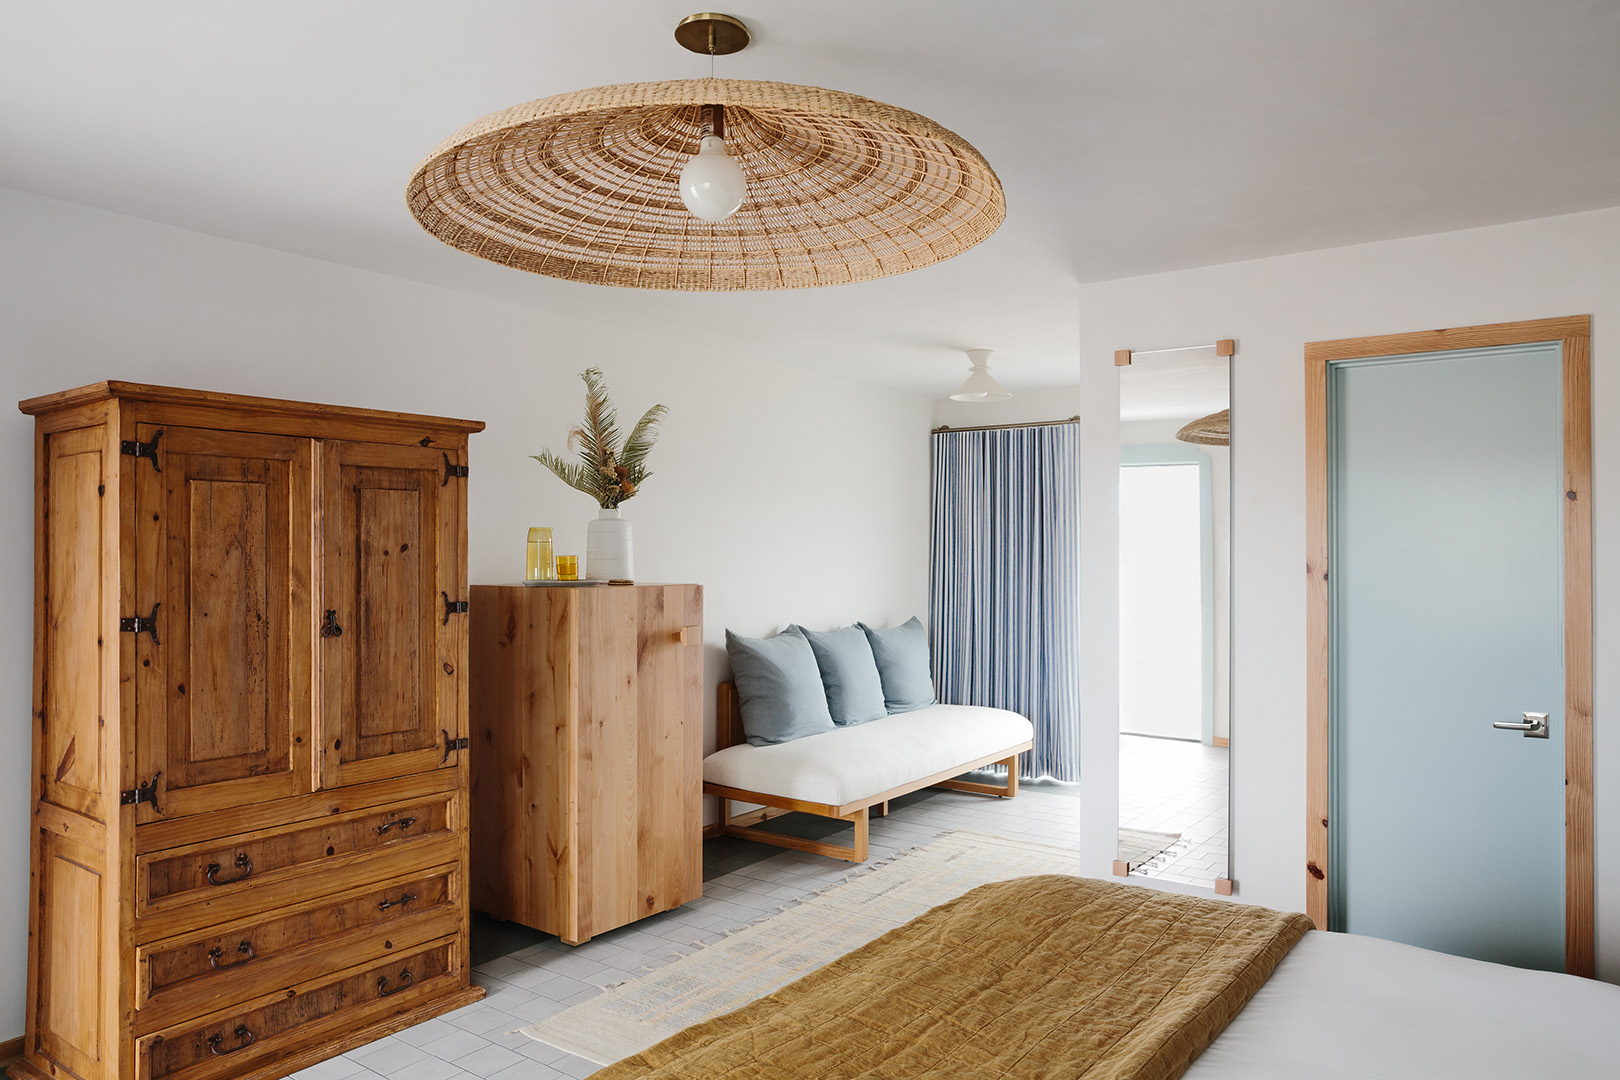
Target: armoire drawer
x,y
233,1041
191,974
272,867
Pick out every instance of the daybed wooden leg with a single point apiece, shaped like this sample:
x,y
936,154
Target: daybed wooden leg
x,y
881,809
739,827
1005,790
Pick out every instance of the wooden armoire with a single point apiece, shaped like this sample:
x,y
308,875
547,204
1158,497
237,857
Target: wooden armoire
x,y
249,843
587,729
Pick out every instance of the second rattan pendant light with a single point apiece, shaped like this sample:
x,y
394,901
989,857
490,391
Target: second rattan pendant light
x,y
586,186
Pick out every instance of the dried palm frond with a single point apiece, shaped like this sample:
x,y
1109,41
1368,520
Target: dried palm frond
x,y
608,471
634,456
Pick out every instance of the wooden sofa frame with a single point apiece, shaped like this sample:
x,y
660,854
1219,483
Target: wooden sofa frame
x,y
730,730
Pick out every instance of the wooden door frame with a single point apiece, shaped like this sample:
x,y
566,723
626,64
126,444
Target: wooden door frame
x,y
1574,332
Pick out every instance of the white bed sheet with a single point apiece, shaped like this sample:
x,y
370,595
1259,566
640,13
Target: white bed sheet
x,y
1344,1007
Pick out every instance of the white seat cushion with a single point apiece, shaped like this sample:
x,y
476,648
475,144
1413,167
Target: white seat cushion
x,y
852,763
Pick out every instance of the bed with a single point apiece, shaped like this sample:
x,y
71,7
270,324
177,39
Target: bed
x,y
1051,976
1345,1007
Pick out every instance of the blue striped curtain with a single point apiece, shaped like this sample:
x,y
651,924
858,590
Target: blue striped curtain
x,y
1004,601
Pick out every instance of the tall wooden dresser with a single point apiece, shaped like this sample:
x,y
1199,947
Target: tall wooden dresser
x,y
587,754
249,841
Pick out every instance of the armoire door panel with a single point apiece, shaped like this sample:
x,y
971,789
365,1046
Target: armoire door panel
x,y
230,567
223,556
72,538
392,592
389,646
73,891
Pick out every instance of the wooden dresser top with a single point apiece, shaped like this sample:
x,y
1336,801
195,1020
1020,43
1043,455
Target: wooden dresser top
x,y
169,395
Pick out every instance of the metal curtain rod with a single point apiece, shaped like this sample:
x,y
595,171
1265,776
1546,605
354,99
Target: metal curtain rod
x,y
1007,427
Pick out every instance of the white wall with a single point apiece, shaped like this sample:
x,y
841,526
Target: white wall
x,y
764,487
1557,266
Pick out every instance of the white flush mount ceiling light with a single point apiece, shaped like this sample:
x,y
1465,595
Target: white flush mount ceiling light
x,y
980,385
708,184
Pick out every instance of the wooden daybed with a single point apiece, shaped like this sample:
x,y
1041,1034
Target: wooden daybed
x,y
854,771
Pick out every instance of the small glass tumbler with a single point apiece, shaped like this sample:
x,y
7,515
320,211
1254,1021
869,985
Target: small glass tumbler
x,y
568,568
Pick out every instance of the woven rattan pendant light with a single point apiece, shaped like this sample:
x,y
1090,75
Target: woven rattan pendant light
x,y
585,186
1212,430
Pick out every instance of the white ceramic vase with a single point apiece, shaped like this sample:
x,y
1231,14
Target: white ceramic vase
x,y
609,555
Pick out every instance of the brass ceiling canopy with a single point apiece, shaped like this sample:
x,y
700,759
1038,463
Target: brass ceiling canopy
x,y
599,185
712,34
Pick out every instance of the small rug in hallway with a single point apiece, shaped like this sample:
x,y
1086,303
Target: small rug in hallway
x,y
766,956
1137,846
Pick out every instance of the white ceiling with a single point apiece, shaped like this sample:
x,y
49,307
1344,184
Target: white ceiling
x,y
1131,137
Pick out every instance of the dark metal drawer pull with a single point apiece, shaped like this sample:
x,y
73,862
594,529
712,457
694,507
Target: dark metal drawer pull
x,y
241,1033
404,984
216,952
384,905
402,823
243,863
330,627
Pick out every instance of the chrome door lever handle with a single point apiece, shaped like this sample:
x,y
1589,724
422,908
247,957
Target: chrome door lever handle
x,y
1534,726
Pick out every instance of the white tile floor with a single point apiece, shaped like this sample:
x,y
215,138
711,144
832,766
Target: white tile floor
x,y
530,976
1169,785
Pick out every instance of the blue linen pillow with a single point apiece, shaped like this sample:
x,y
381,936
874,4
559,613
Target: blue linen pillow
x,y
778,686
849,671
901,653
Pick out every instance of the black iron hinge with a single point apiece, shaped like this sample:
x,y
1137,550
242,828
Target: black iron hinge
x,y
452,469
146,793
452,607
451,745
147,450
141,624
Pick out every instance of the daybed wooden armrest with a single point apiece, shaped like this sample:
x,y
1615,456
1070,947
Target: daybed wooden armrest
x,y
728,717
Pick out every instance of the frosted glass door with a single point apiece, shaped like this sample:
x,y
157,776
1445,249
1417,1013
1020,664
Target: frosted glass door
x,y
1446,599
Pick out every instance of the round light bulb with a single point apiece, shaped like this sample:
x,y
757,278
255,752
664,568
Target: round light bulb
x,y
712,184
